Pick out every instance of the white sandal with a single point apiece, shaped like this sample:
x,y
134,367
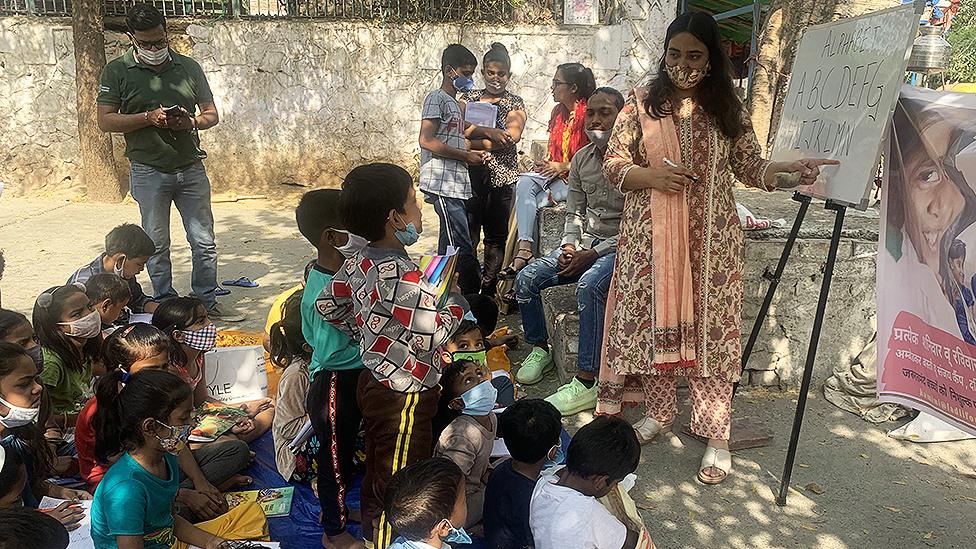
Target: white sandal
x,y
719,459
648,428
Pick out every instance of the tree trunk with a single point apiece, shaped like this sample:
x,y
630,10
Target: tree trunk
x,y
776,45
97,162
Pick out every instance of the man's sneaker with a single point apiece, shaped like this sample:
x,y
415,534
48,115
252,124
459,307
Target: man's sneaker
x,y
573,398
537,363
225,313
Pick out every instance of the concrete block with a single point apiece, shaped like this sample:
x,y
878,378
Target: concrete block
x,y
550,226
562,321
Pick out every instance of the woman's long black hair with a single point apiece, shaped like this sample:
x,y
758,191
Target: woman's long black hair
x,y
150,393
715,94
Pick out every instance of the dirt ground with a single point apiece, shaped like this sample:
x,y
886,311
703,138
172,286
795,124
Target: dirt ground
x,y
877,493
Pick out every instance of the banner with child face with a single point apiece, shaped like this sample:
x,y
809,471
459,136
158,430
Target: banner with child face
x,y
927,258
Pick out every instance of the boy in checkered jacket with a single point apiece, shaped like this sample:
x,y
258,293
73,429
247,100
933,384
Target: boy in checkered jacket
x,y
381,298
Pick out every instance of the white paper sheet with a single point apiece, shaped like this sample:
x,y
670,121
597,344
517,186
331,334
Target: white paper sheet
x,y
481,114
79,538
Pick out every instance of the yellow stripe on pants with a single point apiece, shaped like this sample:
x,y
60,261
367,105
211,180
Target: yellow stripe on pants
x,y
400,453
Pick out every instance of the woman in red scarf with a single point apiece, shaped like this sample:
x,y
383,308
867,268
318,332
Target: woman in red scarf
x,y
571,85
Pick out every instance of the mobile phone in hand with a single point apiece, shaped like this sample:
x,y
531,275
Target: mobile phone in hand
x,y
173,112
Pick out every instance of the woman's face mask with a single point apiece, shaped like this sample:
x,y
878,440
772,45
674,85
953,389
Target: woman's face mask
x,y
686,78
17,416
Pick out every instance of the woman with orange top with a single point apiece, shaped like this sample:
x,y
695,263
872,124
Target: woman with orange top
x,y
571,85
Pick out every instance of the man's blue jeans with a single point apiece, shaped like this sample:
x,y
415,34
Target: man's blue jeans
x,y
591,294
189,189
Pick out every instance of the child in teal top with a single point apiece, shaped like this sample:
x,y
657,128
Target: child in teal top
x,y
148,420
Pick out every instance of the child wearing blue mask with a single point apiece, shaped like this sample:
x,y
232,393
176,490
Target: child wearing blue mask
x,y
424,502
444,159
383,301
467,441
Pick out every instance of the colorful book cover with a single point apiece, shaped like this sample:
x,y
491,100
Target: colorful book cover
x,y
215,420
276,502
439,271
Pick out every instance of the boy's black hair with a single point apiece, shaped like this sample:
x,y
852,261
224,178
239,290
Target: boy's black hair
x,y
150,393
614,93
421,495
369,193
131,240
287,340
449,375
28,528
317,211
530,428
108,286
605,446
485,310
143,17
465,327
457,56
497,53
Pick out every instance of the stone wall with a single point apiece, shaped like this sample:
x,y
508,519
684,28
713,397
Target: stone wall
x,y
781,349
301,100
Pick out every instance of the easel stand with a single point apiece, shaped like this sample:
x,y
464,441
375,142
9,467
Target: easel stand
x,y
840,212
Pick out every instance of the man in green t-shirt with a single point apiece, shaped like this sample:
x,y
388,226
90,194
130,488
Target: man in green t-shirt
x,y
152,95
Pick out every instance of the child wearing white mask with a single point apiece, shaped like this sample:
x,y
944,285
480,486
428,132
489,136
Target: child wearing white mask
x,y
69,330
467,441
21,402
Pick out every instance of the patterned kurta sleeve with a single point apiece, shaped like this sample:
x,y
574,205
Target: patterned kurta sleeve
x,y
623,151
746,160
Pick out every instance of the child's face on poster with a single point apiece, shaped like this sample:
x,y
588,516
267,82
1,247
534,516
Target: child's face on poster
x,y
933,203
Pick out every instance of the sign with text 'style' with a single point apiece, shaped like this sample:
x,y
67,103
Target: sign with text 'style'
x,y
841,93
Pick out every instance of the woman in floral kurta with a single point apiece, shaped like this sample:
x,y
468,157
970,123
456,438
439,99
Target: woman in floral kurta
x,y
711,161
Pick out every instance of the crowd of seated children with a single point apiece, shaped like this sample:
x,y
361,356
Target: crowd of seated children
x,y
531,430
564,511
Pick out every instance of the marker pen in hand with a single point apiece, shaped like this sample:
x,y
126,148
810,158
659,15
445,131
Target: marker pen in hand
x,y
673,165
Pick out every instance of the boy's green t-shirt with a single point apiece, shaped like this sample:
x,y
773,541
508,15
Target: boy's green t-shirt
x,y
131,501
69,388
331,349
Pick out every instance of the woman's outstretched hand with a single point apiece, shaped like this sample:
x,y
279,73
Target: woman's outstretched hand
x,y
804,172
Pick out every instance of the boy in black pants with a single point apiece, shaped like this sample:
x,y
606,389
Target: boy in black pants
x,y
335,366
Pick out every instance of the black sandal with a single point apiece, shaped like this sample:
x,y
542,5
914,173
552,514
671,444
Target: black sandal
x,y
510,272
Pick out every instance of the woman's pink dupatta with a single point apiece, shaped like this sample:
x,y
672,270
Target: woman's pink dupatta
x,y
675,335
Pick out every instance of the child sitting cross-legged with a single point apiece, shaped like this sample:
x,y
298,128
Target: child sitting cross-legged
x,y
530,428
467,441
424,502
109,295
148,422
564,511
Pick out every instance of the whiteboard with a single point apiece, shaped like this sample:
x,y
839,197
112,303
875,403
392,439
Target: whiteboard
x,y
841,95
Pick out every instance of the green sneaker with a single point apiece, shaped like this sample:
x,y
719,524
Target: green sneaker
x,y
573,398
537,363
